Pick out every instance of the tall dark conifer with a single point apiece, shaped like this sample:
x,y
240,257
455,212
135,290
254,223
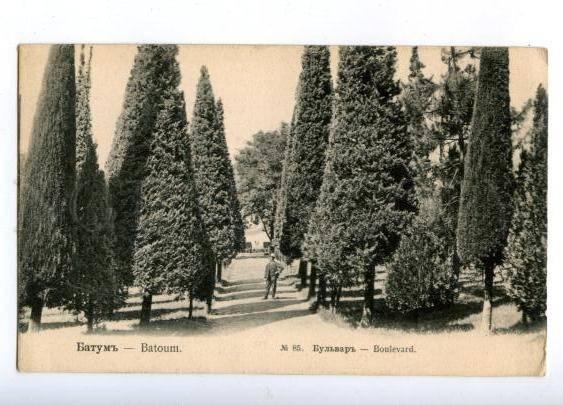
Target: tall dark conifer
x,y
310,129
526,252
281,192
212,169
171,248
46,231
93,281
150,79
237,221
485,208
281,201
366,197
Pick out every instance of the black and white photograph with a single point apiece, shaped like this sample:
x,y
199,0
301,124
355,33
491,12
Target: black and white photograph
x,y
282,209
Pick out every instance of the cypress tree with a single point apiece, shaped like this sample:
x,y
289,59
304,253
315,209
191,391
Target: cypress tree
x,y
153,69
170,247
238,223
212,168
282,189
366,196
282,197
46,234
93,278
281,192
485,208
306,157
526,251
313,244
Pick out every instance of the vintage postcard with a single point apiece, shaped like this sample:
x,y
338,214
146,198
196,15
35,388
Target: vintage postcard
x,y
371,210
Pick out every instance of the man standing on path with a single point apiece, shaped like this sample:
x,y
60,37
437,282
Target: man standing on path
x,y
271,274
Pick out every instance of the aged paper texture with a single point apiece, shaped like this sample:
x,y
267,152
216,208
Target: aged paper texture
x,y
282,209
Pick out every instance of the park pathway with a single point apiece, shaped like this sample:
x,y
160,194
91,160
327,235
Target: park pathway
x,y
239,308
239,302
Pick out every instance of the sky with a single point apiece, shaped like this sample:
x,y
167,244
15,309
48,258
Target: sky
x,y
256,83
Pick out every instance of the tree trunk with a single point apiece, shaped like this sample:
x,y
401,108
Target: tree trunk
x,y
272,228
487,321
321,292
219,271
35,319
461,146
456,263
209,302
90,324
303,272
146,309
209,299
191,307
312,281
269,228
369,279
90,317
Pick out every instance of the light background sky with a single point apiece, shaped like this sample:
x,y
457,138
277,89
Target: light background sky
x,y
256,83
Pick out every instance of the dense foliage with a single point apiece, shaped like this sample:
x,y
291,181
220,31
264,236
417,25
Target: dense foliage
x,y
367,193
485,207
237,220
417,98
309,135
421,275
526,252
281,195
213,171
93,278
451,123
46,231
171,247
259,169
153,69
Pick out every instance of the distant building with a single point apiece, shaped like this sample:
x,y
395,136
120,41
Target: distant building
x,y
256,236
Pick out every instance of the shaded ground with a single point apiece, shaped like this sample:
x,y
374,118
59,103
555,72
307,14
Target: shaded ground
x,y
239,306
463,315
